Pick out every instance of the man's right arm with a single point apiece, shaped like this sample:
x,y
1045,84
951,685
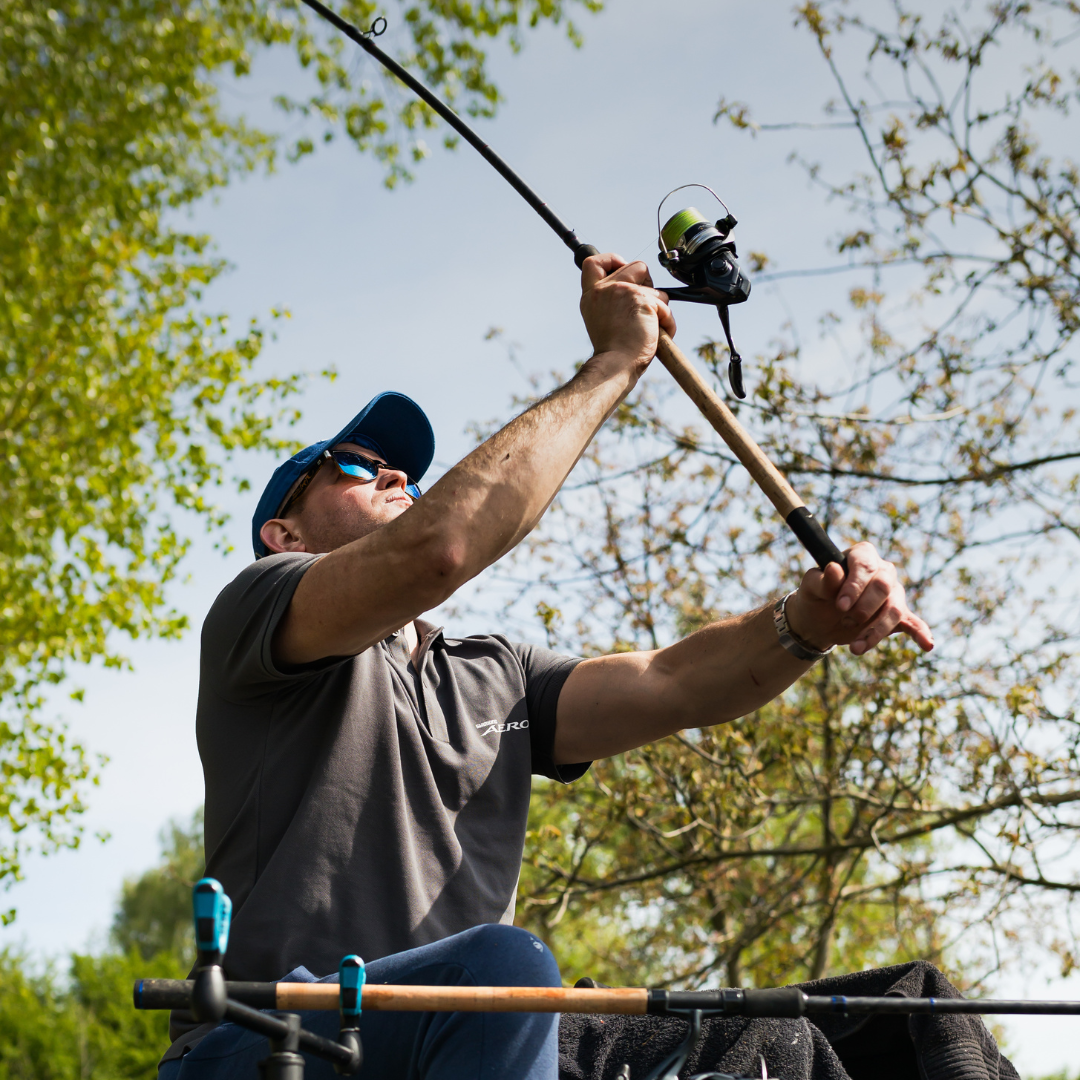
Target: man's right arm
x,y
485,505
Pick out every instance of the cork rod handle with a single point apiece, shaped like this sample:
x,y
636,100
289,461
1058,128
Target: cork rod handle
x,y
376,998
763,472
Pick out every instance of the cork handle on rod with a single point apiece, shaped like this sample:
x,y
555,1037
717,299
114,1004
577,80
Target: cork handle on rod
x,y
763,472
376,998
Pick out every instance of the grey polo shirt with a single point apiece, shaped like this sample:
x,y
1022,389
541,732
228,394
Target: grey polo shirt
x,y
357,805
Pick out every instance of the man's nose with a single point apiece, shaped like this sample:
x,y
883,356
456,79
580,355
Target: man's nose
x,y
390,478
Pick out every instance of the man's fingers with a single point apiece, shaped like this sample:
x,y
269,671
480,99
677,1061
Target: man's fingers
x,y
879,625
863,563
918,631
664,314
823,584
597,268
874,596
636,272
893,619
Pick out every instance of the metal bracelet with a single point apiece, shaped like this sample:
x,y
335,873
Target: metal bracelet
x,y
788,638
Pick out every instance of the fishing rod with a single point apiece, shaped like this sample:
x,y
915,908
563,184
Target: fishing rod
x,y
610,1001
694,251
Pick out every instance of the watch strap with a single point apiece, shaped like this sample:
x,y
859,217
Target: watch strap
x,y
788,638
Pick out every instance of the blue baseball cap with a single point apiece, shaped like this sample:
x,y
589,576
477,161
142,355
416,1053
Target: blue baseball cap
x,y
391,424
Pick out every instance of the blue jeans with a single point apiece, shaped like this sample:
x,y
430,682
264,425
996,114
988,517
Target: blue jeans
x,y
419,1046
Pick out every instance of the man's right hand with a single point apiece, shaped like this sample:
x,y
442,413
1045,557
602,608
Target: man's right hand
x,y
622,311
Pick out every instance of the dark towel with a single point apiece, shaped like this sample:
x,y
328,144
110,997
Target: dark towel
x,y
830,1048
939,1047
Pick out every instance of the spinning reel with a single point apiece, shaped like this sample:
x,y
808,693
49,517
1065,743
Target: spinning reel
x,y
699,253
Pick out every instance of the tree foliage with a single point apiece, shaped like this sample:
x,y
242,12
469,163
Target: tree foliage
x,y
122,399
898,804
68,1028
154,912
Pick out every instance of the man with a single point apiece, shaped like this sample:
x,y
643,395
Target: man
x,y
367,779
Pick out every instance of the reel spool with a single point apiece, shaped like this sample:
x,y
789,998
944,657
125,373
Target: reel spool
x,y
700,253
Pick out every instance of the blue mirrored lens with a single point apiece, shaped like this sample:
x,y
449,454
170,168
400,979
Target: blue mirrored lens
x,y
363,469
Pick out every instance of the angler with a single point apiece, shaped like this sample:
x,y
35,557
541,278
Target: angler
x,y
367,778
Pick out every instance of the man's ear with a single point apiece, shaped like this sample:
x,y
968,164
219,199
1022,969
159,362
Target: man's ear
x,y
279,534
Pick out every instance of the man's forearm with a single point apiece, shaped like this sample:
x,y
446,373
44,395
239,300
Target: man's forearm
x,y
614,703
478,511
494,497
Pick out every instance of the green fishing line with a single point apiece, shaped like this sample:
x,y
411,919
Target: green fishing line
x,y
677,225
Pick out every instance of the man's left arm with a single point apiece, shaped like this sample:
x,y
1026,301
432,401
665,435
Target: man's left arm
x,y
614,703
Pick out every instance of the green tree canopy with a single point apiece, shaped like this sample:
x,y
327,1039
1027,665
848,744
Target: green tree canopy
x,y
154,912
121,399
57,1025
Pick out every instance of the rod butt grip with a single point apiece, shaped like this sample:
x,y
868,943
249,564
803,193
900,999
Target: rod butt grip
x,y
814,538
582,252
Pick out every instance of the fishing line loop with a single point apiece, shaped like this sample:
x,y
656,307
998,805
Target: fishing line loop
x,y
681,187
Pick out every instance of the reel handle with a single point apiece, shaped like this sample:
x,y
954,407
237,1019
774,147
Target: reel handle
x,y
764,473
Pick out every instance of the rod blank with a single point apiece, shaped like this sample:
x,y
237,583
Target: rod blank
x,y
564,232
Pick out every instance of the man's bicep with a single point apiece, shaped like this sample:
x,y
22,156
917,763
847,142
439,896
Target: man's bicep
x,y
342,607
358,595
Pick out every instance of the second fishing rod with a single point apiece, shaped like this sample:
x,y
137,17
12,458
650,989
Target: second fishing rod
x,y
697,252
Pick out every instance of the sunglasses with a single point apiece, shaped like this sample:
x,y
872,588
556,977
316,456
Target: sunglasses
x,y
355,465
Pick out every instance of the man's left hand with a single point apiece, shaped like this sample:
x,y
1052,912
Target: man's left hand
x,y
859,609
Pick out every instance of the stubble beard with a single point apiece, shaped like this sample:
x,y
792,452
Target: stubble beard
x,y
345,523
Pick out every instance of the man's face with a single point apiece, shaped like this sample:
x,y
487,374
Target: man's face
x,y
337,509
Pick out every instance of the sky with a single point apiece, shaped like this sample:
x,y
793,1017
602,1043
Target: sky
x,y
398,290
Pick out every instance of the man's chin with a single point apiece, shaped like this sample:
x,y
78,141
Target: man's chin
x,y
348,527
